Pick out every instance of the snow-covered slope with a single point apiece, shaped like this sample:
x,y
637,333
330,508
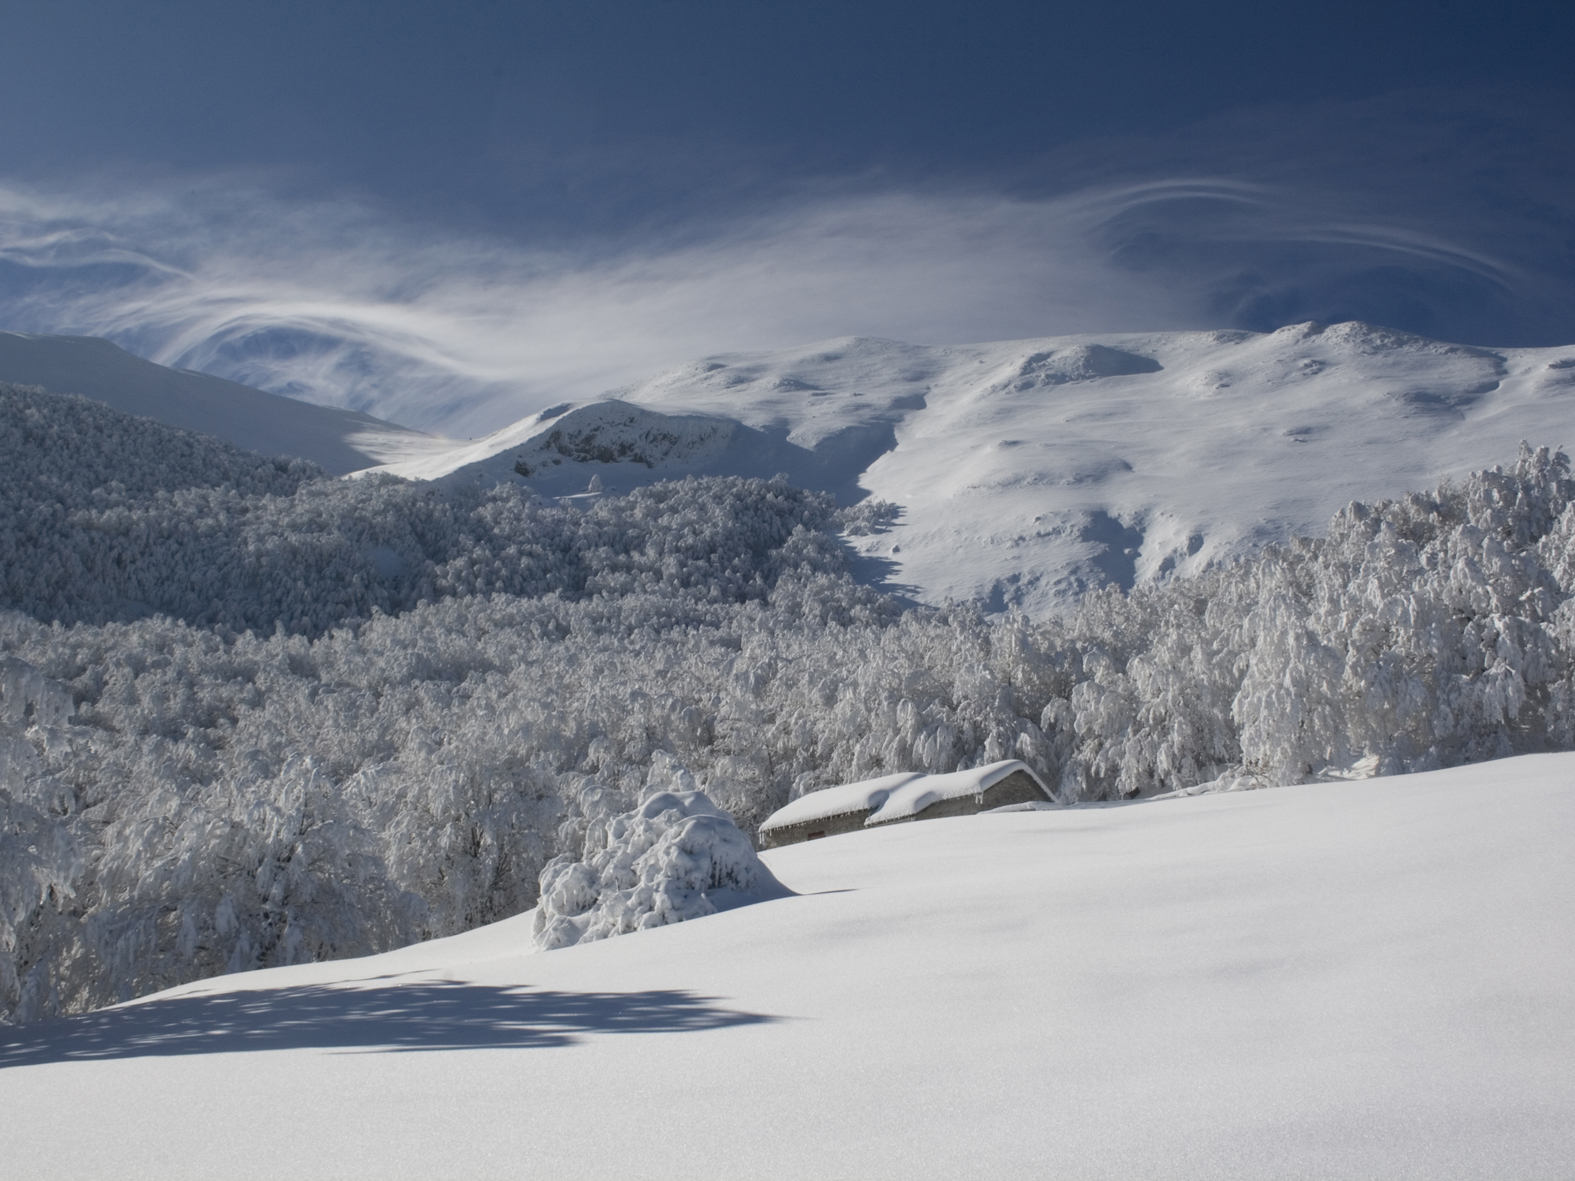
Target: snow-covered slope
x,y
1349,980
1029,470
626,446
339,441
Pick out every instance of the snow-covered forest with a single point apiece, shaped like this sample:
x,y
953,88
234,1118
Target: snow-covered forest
x,y
251,716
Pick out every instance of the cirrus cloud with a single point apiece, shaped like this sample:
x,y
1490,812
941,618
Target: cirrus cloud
x,y
338,302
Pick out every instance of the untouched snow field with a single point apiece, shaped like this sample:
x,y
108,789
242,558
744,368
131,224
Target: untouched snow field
x,y
1367,979
1065,462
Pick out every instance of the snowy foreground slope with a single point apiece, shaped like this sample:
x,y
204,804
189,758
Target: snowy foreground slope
x,y
1362,980
339,441
1064,462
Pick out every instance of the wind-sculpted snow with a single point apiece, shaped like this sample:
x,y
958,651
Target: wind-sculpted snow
x,y
185,800
675,857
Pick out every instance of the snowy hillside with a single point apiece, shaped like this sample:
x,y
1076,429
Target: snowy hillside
x,y
1334,980
1023,472
252,716
105,516
338,441
1028,471
625,446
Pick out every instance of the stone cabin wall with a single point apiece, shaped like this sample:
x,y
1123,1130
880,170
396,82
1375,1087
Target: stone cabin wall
x,y
810,830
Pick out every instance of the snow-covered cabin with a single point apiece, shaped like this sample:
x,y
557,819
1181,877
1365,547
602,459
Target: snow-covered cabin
x,y
906,796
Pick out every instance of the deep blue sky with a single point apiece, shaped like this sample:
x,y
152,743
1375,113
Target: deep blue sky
x,y
492,103
1412,161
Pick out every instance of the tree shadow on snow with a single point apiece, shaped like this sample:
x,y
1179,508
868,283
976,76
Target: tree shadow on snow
x,y
430,1015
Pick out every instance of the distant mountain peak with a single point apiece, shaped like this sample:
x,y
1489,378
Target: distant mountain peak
x,y
1028,471
337,440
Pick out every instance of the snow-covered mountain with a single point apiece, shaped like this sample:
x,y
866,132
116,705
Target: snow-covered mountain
x,y
1023,472
339,441
1027,471
1335,980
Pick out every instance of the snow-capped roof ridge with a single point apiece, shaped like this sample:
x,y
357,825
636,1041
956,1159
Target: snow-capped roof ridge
x,y
912,797
896,797
840,800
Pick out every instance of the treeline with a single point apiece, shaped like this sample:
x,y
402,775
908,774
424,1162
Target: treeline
x,y
109,518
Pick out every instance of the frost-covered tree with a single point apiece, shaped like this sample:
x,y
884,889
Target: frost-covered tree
x,y
674,857
1418,633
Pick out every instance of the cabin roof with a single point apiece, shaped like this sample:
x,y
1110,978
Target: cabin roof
x,y
894,797
913,797
838,801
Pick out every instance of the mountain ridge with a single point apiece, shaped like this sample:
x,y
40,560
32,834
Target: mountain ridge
x,y
1027,472
339,441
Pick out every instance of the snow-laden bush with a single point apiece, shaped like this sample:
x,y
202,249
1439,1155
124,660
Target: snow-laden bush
x,y
675,857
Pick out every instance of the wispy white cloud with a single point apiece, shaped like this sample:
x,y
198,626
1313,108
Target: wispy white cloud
x,y
337,303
